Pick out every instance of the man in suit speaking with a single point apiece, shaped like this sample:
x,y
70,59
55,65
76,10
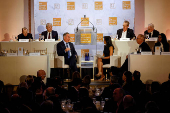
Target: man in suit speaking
x,y
50,34
125,32
66,49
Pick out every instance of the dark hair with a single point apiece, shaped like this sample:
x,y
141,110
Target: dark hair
x,y
128,75
164,40
108,41
114,79
136,75
75,74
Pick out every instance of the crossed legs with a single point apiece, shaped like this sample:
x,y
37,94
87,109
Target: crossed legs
x,y
100,68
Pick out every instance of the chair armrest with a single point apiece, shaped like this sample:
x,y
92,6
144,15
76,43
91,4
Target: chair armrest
x,y
59,61
115,60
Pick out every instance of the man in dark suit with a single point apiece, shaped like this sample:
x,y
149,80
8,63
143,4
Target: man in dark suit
x,y
125,32
66,49
151,31
25,34
143,46
50,34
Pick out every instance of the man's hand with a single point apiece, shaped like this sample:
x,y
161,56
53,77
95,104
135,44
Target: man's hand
x,y
67,49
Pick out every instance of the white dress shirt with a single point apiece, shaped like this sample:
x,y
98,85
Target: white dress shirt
x,y
68,46
50,35
124,34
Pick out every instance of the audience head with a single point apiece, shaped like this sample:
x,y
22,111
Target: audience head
x,y
75,74
29,80
118,94
155,87
136,75
50,91
162,38
41,73
77,82
66,37
113,79
23,84
47,106
86,80
151,107
24,31
128,101
58,81
1,86
49,27
140,39
127,77
125,25
150,28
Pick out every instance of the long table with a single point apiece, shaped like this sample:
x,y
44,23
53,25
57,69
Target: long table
x,y
152,67
12,68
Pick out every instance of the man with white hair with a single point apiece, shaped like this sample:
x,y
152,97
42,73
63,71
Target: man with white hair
x,y
126,32
50,34
151,31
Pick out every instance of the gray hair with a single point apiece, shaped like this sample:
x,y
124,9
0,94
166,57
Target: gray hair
x,y
127,22
65,34
142,37
48,24
24,28
151,25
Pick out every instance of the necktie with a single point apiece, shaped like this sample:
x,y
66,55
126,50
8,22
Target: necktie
x,y
68,51
49,36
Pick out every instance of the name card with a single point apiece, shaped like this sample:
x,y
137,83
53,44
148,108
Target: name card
x,y
11,54
124,39
20,51
153,39
146,53
23,40
34,54
49,40
157,50
165,53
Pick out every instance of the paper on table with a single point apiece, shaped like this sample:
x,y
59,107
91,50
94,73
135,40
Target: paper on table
x,y
100,56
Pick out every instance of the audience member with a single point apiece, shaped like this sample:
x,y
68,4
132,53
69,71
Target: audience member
x,y
127,85
108,91
129,104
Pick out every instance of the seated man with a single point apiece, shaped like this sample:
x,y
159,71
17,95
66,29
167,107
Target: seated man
x,y
125,32
151,31
144,47
25,34
50,34
66,49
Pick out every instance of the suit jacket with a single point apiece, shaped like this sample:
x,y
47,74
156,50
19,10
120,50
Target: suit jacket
x,y
21,36
61,50
155,33
165,46
130,34
145,47
54,35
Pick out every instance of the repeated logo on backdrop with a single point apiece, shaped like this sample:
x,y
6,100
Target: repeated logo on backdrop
x,y
56,21
42,5
107,16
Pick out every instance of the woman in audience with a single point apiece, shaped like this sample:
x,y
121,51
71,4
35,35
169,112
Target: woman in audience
x,y
162,42
84,90
127,85
105,59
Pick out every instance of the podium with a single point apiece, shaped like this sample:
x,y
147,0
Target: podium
x,y
86,42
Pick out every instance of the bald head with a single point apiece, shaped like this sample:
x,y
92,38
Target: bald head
x,y
41,73
118,94
128,101
50,91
